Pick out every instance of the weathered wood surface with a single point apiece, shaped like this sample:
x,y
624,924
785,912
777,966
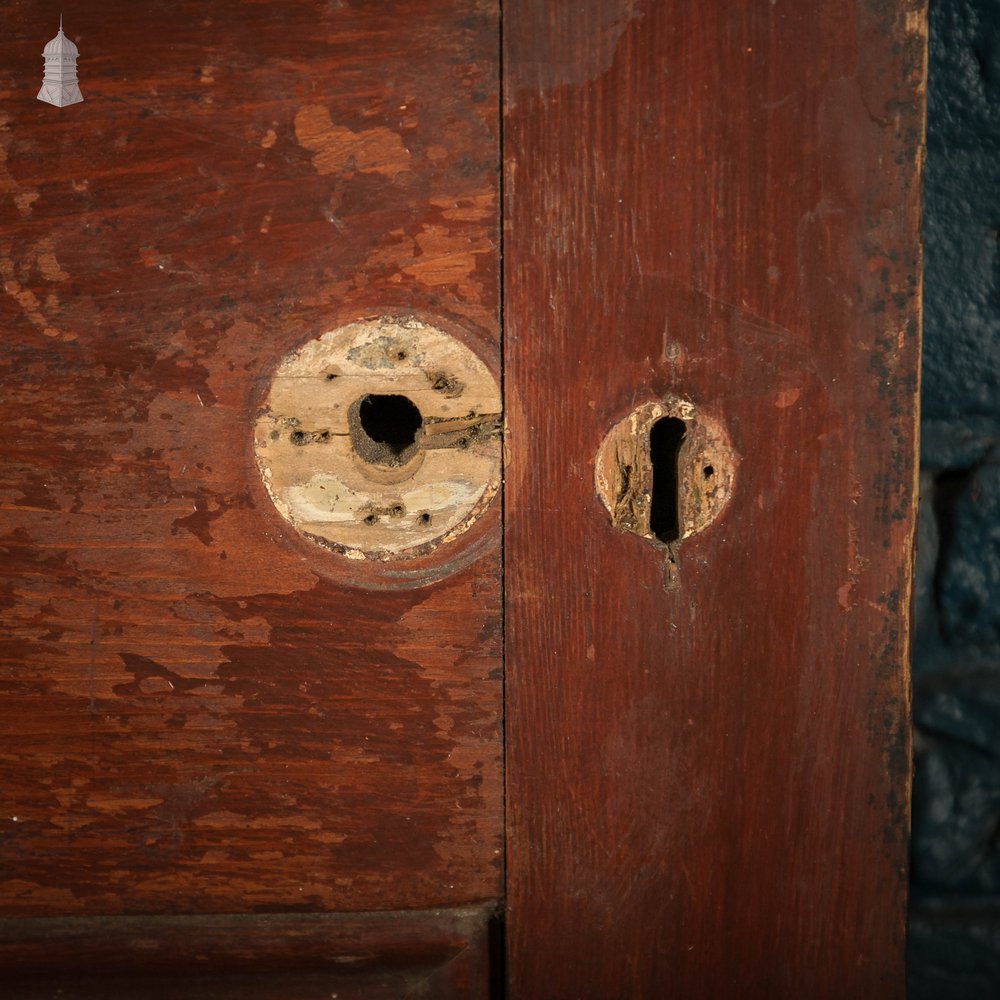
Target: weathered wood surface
x,y
707,786
372,956
391,500
198,715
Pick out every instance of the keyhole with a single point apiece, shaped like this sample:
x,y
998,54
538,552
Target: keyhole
x,y
665,472
665,437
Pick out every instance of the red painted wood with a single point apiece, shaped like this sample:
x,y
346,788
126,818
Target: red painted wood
x,y
198,715
441,953
707,786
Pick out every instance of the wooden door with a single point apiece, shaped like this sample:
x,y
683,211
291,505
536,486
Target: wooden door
x,y
711,218
231,755
247,754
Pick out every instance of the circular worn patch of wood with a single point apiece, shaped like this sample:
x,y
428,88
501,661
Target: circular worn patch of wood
x,y
381,439
705,469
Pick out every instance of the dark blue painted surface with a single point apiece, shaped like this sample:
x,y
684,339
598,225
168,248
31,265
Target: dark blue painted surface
x,y
955,913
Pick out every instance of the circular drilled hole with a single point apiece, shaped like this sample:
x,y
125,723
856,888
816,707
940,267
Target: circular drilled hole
x,y
384,428
708,471
390,420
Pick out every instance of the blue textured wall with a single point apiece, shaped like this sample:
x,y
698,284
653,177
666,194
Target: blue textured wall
x,y
955,910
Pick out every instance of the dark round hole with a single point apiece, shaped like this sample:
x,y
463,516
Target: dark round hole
x,y
708,471
425,518
392,421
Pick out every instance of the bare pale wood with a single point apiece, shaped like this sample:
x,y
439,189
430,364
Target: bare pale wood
x,y
338,485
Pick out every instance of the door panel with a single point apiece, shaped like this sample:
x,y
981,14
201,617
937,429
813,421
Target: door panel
x,y
205,711
211,720
711,208
431,954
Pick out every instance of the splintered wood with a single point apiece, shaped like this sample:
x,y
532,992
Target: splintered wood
x,y
706,469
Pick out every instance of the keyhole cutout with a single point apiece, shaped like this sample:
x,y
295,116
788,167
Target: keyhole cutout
x,y
665,438
665,472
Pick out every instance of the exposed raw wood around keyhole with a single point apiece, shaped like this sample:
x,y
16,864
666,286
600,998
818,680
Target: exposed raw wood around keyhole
x,y
665,472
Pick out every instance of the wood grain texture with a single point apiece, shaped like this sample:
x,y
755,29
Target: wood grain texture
x,y
358,956
199,715
707,786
